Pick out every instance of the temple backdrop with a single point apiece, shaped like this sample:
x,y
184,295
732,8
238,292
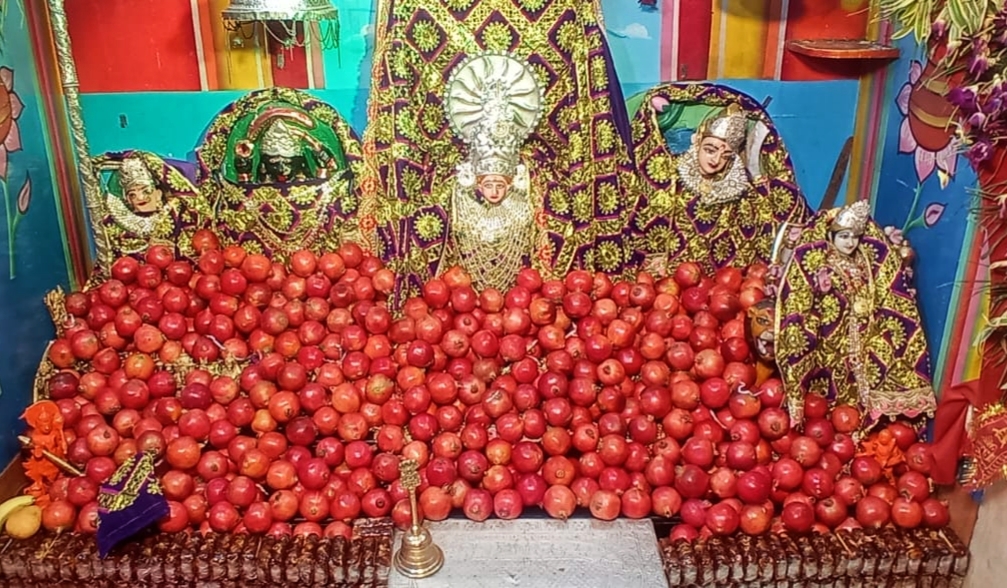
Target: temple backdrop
x,y
154,72
32,255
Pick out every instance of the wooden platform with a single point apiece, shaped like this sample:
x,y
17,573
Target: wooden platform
x,y
215,560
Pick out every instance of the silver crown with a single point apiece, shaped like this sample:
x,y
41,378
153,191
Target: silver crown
x,y
496,145
853,217
730,126
494,101
134,173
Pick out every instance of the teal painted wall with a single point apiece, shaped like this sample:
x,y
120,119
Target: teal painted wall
x,y
38,263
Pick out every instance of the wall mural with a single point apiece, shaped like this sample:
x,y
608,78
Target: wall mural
x,y
927,193
15,205
32,252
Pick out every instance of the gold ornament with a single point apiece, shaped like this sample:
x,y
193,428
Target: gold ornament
x,y
418,557
134,174
491,240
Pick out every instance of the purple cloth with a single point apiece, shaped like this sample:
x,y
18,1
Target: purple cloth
x,y
130,502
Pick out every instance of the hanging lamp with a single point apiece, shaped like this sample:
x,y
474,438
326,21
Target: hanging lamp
x,y
288,22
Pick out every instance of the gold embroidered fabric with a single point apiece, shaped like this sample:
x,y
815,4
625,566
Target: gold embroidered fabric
x,y
849,327
280,218
183,211
581,172
729,220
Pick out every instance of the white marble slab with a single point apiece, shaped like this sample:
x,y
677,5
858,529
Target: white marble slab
x,y
543,553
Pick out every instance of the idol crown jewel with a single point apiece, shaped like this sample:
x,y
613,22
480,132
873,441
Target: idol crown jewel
x,y
853,217
134,173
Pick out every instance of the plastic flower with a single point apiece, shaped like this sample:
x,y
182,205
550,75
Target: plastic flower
x,y
980,151
1000,27
10,111
938,29
927,160
964,98
979,60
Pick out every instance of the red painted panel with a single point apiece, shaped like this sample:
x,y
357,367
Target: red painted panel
x,y
823,19
290,65
133,45
694,22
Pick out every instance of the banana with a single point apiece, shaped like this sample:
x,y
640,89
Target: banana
x,y
14,504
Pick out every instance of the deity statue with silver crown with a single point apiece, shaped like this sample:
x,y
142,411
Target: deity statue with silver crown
x,y
493,230
723,199
849,325
148,201
473,135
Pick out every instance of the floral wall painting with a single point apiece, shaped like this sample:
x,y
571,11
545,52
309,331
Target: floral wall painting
x,y
926,130
15,205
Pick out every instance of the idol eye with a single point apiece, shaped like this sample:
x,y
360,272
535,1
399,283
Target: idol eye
x,y
763,321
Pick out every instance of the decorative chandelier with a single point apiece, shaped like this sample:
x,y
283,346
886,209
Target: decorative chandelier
x,y
289,22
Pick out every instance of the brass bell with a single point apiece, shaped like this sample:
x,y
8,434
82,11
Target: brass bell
x,y
418,557
267,10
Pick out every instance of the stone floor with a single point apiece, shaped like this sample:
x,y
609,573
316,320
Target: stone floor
x,y
989,541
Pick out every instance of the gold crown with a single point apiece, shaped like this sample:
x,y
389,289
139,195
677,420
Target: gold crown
x,y
279,139
853,217
729,126
134,173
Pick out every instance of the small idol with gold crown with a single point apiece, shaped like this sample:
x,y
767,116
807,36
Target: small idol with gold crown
x,y
149,201
704,205
849,326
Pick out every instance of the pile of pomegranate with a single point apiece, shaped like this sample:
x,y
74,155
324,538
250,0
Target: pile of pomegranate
x,y
282,399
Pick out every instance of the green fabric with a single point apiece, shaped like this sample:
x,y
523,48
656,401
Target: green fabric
x,y
675,116
322,133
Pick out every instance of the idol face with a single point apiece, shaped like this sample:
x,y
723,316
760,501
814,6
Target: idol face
x,y
493,187
145,199
280,168
846,241
714,154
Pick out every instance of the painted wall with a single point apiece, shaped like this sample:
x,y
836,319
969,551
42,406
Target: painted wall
x,y
925,188
32,259
123,110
